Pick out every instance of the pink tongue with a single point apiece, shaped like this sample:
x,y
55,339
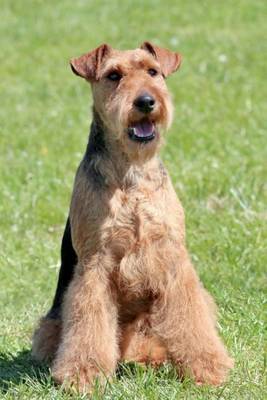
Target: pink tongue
x,y
144,129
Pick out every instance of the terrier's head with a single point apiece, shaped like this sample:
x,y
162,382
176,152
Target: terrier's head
x,y
130,94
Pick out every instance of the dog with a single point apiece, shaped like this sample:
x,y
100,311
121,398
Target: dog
x,y
127,290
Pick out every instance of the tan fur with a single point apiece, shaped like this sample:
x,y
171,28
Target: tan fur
x,y
135,294
46,339
140,345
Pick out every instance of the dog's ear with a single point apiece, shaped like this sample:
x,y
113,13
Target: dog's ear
x,y
88,65
168,60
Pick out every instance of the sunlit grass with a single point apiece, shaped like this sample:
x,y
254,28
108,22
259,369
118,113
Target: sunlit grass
x,y
215,152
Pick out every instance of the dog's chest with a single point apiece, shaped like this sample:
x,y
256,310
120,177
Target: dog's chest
x,y
136,217
139,235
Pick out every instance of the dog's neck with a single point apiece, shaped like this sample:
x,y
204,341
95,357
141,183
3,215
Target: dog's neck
x,y
112,167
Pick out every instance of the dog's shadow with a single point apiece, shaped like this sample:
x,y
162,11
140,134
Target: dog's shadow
x,y
20,368
16,369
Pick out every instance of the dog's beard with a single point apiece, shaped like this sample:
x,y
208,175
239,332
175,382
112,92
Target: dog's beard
x,y
137,136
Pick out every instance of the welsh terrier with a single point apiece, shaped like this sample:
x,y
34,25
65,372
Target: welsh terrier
x,y
127,289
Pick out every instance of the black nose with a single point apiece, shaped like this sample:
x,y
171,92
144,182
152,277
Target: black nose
x,y
145,103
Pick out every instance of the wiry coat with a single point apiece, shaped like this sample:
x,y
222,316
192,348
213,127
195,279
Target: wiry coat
x,y
134,294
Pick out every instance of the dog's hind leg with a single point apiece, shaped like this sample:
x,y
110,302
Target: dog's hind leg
x,y
47,334
138,344
46,339
68,261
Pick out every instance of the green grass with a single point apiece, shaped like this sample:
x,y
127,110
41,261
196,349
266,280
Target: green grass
x,y
216,154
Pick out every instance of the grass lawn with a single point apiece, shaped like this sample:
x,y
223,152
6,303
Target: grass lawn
x,y
216,152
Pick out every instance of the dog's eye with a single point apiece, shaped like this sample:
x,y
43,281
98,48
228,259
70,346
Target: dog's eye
x,y
152,72
114,76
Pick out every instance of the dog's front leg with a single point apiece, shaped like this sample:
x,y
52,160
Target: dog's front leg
x,y
183,318
88,348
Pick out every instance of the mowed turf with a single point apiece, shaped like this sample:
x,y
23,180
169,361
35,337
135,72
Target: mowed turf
x,y
215,152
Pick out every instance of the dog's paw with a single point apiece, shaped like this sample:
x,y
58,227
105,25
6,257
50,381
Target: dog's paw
x,y
210,369
81,379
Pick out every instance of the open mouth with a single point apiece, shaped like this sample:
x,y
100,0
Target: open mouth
x,y
142,131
